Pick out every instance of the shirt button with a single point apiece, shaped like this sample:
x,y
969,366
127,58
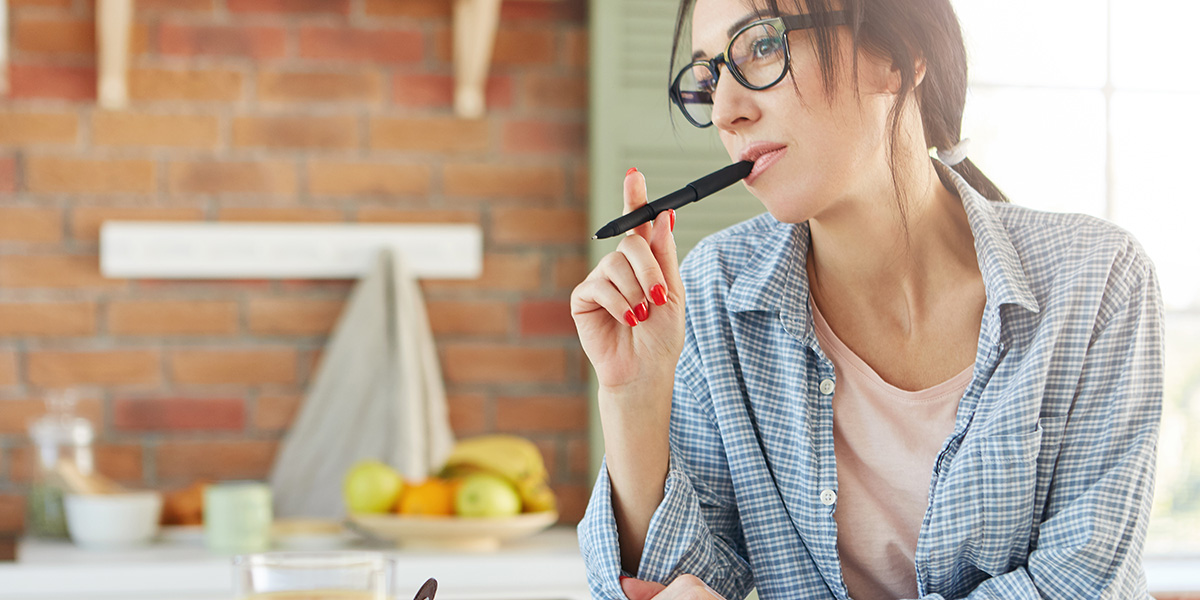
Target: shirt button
x,y
827,386
828,497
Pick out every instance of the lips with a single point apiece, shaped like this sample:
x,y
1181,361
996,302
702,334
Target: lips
x,y
764,154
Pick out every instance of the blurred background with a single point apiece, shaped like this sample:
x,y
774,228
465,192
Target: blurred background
x,y
284,111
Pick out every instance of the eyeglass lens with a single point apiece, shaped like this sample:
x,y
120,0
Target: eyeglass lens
x,y
756,53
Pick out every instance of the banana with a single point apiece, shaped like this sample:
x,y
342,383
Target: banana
x,y
538,497
512,457
515,458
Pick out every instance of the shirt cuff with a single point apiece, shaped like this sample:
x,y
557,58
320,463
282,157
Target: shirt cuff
x,y
600,547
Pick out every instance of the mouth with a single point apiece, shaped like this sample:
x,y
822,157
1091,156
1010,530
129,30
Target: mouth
x,y
764,154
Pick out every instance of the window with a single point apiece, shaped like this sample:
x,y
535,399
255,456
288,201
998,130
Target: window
x,y
1093,106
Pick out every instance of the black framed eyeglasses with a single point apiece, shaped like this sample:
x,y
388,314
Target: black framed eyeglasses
x,y
757,56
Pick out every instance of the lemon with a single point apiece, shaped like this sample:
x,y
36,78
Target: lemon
x,y
371,486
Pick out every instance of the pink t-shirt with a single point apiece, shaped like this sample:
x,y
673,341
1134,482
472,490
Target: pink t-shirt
x,y
886,441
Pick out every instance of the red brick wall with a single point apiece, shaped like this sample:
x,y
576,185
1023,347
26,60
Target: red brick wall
x,y
284,110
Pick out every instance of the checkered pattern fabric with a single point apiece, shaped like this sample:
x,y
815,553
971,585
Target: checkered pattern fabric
x,y
1042,491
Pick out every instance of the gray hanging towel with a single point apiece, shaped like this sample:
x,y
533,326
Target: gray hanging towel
x,y
378,393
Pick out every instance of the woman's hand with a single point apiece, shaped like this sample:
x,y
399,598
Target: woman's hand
x,y
629,310
685,587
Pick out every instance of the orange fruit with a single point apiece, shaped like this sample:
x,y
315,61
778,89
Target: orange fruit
x,y
434,496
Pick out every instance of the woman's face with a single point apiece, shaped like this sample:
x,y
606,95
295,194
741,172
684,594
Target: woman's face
x,y
812,155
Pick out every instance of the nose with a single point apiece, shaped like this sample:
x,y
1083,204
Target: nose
x,y
734,106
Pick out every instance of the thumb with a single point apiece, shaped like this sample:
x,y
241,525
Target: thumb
x,y
636,589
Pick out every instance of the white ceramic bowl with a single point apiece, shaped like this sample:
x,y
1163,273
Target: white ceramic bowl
x,y
109,521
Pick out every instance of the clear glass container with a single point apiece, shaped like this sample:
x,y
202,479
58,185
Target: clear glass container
x,y
62,444
349,575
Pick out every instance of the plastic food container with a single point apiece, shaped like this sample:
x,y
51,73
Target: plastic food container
x,y
113,521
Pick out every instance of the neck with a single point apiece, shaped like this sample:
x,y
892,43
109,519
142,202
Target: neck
x,y
867,255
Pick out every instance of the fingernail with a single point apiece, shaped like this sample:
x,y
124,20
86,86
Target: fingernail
x,y
631,171
642,311
672,220
629,318
623,578
658,293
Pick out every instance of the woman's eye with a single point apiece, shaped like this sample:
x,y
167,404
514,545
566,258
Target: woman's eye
x,y
765,48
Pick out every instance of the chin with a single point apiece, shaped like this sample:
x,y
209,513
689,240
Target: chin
x,y
792,206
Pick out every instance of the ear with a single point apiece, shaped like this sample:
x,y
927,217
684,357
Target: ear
x,y
893,76
919,72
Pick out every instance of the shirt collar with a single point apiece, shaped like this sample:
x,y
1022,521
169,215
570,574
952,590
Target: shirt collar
x,y
775,278
1004,276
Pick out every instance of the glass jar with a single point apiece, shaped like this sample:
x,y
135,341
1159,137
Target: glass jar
x,y
62,444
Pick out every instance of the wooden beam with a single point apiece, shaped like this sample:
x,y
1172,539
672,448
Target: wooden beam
x,y
114,20
3,47
475,24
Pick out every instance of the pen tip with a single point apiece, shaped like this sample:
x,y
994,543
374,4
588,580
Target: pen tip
x,y
595,237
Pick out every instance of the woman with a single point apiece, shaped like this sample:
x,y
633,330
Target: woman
x,y
892,385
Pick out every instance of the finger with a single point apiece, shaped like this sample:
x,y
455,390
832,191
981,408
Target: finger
x,y
666,253
600,294
636,589
645,267
634,195
698,587
618,268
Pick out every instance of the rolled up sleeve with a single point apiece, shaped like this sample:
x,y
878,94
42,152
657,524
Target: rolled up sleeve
x,y
695,529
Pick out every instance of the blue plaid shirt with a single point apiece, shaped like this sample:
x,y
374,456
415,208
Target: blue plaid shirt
x,y
1042,491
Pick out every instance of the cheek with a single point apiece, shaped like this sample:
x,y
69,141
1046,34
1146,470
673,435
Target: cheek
x,y
804,80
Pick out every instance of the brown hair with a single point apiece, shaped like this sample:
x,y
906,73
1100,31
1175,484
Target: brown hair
x,y
900,31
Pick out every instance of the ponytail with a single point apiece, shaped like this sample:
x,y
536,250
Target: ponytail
x,y
931,29
978,181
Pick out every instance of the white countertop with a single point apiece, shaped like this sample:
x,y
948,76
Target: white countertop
x,y
1173,575
545,566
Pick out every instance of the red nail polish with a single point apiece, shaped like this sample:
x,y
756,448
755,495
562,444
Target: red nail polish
x,y
623,578
629,318
672,219
658,293
631,171
642,311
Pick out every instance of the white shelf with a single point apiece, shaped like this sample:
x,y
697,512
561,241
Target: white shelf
x,y
166,250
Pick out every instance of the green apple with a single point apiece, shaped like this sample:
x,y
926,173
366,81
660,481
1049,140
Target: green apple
x,y
486,495
371,486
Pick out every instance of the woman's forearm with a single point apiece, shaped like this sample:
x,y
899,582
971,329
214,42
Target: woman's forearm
x,y
637,450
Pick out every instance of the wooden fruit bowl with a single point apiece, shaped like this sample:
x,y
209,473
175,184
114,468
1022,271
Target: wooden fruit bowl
x,y
452,533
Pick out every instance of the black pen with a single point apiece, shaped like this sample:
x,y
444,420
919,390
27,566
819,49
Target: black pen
x,y
700,188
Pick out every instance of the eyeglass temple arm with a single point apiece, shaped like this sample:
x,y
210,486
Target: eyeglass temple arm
x,y
810,20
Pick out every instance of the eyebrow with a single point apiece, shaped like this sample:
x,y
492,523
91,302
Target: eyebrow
x,y
737,25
